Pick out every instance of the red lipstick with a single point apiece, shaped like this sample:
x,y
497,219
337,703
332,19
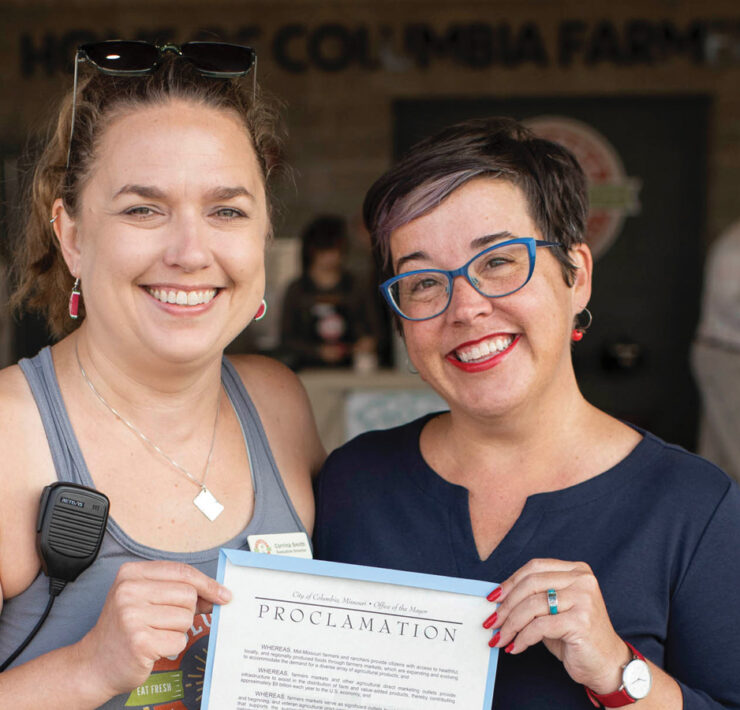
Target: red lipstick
x,y
480,365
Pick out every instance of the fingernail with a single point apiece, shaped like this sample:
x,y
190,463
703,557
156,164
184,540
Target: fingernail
x,y
494,595
490,621
224,594
494,639
509,648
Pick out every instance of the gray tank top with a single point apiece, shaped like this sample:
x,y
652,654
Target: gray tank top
x,y
176,683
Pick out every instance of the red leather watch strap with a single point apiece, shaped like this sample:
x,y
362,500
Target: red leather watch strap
x,y
618,698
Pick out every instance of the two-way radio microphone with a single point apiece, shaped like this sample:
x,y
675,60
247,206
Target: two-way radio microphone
x,y
69,532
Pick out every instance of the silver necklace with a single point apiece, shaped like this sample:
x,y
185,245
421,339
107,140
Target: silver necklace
x,y
205,501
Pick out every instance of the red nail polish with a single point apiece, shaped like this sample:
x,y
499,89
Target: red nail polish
x,y
494,595
490,621
509,648
494,639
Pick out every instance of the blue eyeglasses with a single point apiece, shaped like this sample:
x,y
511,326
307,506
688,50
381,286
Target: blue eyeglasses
x,y
495,272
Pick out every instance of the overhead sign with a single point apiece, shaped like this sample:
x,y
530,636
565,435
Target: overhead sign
x,y
337,46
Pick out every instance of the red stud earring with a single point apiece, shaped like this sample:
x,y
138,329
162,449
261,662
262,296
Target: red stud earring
x,y
74,300
261,311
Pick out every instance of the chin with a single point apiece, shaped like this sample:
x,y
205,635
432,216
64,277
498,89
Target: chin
x,y
181,349
487,402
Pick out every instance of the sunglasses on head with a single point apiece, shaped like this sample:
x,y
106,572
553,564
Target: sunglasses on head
x,y
217,60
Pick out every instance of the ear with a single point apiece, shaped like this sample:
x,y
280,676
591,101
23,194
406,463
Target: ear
x,y
580,255
65,231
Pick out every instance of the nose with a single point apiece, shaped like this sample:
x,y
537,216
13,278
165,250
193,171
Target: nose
x,y
466,303
188,246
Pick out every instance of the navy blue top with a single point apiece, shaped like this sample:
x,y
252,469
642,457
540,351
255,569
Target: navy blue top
x,y
660,530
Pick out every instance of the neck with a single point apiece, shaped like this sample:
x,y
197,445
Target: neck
x,y
162,397
534,447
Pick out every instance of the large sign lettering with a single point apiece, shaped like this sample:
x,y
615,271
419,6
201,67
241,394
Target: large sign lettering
x,y
334,46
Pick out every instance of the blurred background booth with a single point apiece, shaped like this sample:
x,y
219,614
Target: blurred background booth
x,y
645,94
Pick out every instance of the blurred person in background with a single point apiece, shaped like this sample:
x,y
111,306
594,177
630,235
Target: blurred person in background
x,y
327,318
715,354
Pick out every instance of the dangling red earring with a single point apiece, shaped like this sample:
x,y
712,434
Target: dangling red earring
x,y
261,311
583,322
74,300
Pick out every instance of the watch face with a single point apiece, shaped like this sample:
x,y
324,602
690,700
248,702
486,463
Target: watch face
x,y
636,679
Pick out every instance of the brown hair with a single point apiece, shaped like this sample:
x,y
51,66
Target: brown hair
x,y
547,173
327,231
42,278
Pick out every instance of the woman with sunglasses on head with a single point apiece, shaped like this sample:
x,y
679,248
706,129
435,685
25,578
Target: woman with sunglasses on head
x,y
614,550
150,205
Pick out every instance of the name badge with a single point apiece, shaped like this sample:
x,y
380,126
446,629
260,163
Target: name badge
x,y
293,544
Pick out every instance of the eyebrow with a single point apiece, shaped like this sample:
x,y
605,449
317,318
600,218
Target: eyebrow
x,y
416,256
478,243
154,193
228,193
147,191
488,239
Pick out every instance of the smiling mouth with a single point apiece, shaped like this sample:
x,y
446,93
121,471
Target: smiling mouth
x,y
182,298
484,349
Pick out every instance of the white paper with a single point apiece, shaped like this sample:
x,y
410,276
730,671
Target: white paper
x,y
297,640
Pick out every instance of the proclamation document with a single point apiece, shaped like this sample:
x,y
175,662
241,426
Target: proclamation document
x,y
316,635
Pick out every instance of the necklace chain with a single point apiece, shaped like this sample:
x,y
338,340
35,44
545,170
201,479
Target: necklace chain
x,y
201,484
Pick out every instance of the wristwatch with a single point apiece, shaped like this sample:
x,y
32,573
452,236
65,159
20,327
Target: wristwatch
x,y
636,683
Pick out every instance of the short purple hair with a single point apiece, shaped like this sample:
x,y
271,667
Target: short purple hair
x,y
553,183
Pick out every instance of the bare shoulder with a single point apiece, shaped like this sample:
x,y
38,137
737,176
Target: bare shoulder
x,y
285,412
276,391
25,469
267,378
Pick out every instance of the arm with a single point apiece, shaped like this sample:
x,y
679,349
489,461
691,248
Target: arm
x,y
702,647
146,614
57,679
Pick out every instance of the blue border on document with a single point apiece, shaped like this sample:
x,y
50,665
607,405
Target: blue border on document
x,y
321,568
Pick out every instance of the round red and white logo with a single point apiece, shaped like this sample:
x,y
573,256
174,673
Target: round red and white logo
x,y
613,195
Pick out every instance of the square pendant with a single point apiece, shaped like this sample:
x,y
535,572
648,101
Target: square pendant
x,y
207,504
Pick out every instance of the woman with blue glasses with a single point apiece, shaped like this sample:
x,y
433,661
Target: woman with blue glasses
x,y
144,248
615,552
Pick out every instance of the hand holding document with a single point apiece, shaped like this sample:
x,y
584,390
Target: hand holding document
x,y
304,633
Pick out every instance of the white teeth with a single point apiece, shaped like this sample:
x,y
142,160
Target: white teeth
x,y
485,348
183,298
